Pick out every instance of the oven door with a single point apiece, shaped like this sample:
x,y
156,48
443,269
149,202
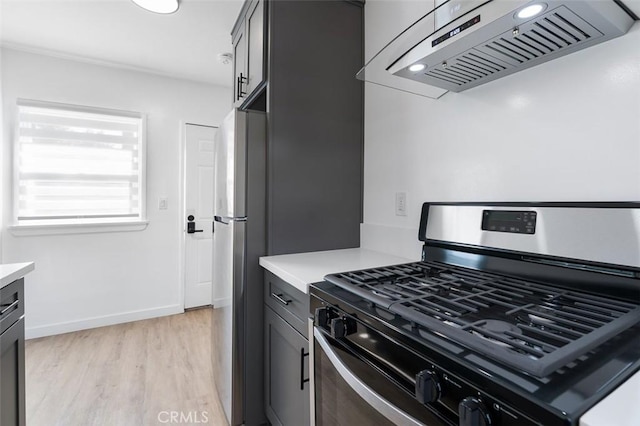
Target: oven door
x,y
348,389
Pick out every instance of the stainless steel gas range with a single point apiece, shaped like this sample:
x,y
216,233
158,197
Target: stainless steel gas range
x,y
518,314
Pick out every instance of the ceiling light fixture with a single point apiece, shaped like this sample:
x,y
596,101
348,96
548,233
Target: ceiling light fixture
x,y
531,11
158,6
417,67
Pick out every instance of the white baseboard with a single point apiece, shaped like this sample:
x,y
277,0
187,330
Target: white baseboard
x,y
94,322
221,302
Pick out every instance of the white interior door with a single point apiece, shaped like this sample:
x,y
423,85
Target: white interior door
x,y
199,208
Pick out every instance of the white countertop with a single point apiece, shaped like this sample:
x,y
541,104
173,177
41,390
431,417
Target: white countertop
x,y
10,272
620,408
302,269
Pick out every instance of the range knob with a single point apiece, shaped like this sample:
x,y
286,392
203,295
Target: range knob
x,y
472,412
337,327
322,317
427,387
342,327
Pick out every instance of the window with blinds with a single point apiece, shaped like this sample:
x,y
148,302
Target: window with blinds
x,y
77,165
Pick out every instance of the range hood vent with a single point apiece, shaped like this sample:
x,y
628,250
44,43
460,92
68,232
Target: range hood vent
x,y
551,33
489,41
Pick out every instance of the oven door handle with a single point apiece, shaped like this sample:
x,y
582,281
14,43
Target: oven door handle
x,y
384,407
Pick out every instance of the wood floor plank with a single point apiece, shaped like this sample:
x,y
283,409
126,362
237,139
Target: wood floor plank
x,y
141,373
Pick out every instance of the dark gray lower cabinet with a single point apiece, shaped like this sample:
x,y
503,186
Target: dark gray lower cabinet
x,y
12,387
287,372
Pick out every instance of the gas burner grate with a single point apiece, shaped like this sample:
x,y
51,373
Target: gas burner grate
x,y
534,327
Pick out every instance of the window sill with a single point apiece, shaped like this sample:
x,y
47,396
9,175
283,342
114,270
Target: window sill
x,y
80,228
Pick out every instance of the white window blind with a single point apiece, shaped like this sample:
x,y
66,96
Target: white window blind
x,y
77,165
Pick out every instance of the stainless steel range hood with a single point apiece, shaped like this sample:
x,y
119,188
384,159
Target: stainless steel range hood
x,y
466,43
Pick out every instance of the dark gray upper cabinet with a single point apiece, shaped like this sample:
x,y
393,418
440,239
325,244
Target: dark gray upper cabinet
x,y
297,60
315,125
249,40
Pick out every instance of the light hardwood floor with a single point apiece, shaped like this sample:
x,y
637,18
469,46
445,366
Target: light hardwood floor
x,y
129,374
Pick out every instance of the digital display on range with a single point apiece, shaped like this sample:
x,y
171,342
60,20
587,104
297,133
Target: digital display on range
x,y
513,221
454,32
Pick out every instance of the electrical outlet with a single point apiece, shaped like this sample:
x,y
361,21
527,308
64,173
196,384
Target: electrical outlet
x,y
401,203
163,203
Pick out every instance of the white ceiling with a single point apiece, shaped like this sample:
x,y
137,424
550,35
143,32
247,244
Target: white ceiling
x,y
117,32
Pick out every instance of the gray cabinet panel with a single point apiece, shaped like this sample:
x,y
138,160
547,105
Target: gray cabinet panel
x,y
255,46
12,391
315,115
239,63
255,247
12,373
287,366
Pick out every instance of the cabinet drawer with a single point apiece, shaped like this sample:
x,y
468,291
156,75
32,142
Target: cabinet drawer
x,y
288,302
11,304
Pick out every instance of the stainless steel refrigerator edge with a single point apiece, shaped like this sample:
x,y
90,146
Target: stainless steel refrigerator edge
x,y
239,240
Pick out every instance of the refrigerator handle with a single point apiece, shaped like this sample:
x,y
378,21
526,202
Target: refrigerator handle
x,y
220,219
227,219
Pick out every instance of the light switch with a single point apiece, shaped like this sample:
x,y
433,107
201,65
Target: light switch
x,y
163,203
401,203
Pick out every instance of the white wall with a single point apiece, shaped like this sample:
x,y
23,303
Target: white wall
x,y
103,278
567,130
1,153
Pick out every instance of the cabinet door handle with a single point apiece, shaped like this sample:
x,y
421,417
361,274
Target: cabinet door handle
x,y
302,379
280,299
241,80
9,307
